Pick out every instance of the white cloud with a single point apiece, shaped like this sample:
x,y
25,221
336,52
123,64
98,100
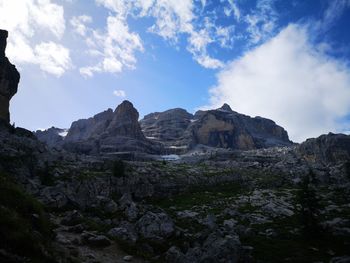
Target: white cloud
x,y
290,81
261,21
333,12
171,19
52,58
114,48
79,24
27,20
233,10
89,71
119,93
209,62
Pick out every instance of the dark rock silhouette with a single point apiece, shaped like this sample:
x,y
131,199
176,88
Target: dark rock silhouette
x,y
53,136
167,127
109,132
9,79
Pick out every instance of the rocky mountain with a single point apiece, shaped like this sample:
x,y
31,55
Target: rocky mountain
x,y
167,127
171,131
225,128
9,79
109,132
53,136
180,131
331,148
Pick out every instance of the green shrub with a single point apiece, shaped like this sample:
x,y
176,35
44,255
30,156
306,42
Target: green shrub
x,y
24,226
118,168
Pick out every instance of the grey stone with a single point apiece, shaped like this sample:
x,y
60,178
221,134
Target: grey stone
x,y
174,255
99,241
155,226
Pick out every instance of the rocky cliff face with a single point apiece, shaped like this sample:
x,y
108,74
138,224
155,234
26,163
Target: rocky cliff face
x,y
221,128
90,128
9,79
53,136
330,148
167,127
225,128
109,132
125,122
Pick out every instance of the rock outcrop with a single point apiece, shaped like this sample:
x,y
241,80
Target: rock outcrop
x,y
9,79
330,148
93,127
225,128
167,127
180,131
109,132
53,136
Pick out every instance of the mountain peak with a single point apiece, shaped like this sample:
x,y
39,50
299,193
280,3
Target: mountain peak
x,y
225,107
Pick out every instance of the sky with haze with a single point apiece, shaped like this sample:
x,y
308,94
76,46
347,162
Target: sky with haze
x,y
284,60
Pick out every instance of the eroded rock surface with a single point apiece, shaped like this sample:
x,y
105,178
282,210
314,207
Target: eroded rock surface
x,y
109,132
9,79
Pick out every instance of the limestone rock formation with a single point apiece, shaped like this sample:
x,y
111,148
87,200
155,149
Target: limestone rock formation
x,y
109,132
167,127
180,131
53,136
90,128
330,148
9,79
225,128
125,122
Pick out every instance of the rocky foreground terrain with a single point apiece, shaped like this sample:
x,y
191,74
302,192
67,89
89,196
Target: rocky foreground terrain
x,y
105,191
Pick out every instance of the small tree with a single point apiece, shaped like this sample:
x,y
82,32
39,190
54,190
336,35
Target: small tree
x,y
118,168
310,207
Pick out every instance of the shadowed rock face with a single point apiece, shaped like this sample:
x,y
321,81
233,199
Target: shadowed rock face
x,y
90,128
53,136
125,122
179,130
330,148
168,126
225,128
109,132
9,79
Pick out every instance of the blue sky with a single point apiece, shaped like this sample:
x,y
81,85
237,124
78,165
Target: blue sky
x,y
284,60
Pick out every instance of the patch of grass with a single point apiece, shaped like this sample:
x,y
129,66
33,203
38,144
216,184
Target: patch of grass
x,y
24,226
295,248
200,196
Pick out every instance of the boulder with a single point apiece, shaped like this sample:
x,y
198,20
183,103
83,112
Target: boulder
x,y
72,218
221,248
174,255
155,226
125,233
9,79
99,241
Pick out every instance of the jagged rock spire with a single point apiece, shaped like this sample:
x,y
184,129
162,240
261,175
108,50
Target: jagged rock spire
x,y
9,79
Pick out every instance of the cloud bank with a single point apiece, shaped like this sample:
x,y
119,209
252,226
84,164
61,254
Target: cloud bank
x,y
28,19
290,81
